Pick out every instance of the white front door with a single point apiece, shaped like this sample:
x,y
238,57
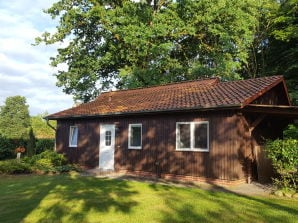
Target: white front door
x,y
107,147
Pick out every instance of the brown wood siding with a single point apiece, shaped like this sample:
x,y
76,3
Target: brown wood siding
x,y
228,145
275,96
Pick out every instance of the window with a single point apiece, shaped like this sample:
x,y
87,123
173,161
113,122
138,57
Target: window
x,y
73,136
108,138
192,136
135,136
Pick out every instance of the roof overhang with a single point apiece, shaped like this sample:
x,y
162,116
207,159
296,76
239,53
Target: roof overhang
x,y
151,112
277,110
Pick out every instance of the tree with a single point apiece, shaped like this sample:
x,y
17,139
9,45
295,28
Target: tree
x,y
31,143
258,51
141,43
283,51
40,128
14,118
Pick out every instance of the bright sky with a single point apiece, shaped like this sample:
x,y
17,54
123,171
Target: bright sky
x,y
25,69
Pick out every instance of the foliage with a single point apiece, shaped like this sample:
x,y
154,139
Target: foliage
x,y
14,118
31,143
14,167
282,53
6,148
143,43
46,161
291,132
64,198
284,156
44,144
40,128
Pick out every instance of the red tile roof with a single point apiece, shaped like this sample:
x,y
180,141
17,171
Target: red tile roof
x,y
199,94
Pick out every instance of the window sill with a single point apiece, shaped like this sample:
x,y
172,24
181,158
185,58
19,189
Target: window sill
x,y
192,150
138,148
73,146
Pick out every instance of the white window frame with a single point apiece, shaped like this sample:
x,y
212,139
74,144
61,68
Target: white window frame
x,y
129,134
71,132
192,141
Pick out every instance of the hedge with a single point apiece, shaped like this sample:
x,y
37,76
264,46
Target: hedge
x,y
8,146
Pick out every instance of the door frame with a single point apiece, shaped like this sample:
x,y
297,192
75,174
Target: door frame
x,y
113,140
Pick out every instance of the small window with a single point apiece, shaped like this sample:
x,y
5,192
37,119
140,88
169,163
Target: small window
x,y
192,136
135,136
73,136
108,138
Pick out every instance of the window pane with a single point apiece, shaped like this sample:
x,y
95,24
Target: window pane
x,y
200,136
135,136
73,136
184,136
108,138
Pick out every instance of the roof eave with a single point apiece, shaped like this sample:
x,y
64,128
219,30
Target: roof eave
x,y
277,110
199,109
266,89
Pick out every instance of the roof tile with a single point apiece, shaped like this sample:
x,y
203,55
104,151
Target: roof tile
x,y
178,96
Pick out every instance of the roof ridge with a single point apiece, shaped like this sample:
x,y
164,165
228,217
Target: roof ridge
x,y
241,80
161,85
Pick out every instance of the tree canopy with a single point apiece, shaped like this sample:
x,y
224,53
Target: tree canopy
x,y
14,118
40,128
131,44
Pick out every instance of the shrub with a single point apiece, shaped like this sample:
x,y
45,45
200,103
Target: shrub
x,y
14,167
45,165
66,168
44,144
291,132
55,159
284,156
47,161
6,148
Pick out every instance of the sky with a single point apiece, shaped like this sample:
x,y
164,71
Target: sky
x,y
25,69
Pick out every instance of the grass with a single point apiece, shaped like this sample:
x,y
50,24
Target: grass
x,y
64,198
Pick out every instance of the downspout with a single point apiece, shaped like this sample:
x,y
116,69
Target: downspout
x,y
52,127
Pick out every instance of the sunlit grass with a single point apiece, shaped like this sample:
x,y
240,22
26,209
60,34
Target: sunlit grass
x,y
86,199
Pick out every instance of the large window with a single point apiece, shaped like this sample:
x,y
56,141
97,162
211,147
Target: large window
x,y
135,136
73,136
192,136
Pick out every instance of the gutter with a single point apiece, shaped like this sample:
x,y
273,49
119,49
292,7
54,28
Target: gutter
x,y
48,123
199,109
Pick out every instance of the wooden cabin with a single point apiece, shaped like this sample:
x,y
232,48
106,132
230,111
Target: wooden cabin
x,y
195,130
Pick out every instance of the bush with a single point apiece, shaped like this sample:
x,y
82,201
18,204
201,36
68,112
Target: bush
x,y
45,162
48,161
6,148
284,156
44,144
14,167
291,132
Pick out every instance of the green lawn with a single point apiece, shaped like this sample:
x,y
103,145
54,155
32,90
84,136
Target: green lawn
x,y
66,198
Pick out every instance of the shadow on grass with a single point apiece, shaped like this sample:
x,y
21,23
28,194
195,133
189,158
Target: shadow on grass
x,y
221,204
62,198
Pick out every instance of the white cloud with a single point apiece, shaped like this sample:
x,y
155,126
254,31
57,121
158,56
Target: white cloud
x,y
25,69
